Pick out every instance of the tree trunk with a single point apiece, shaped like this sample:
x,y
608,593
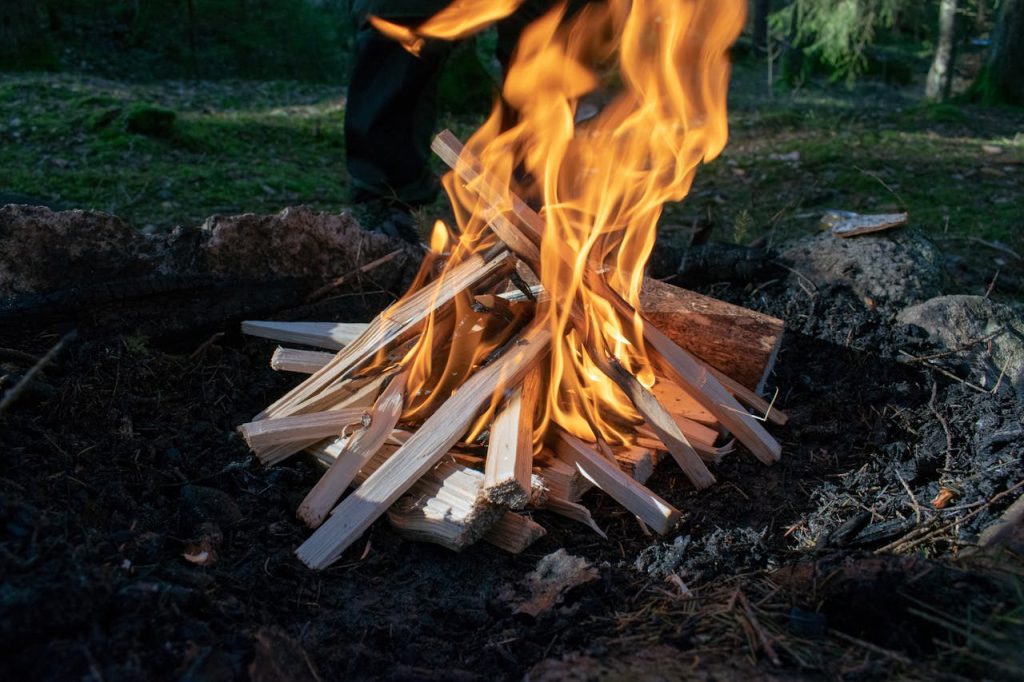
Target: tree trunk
x,y
940,76
762,8
1001,79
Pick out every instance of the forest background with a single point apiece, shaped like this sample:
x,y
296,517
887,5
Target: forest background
x,y
167,111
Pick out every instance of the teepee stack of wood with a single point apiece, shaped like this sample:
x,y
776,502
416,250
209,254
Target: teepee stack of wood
x,y
711,359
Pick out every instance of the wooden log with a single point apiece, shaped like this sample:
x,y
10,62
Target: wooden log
x,y
514,532
739,342
358,451
446,506
661,422
388,327
509,465
646,505
300,361
266,433
333,335
424,449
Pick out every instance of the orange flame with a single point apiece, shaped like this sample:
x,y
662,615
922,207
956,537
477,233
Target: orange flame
x,y
600,184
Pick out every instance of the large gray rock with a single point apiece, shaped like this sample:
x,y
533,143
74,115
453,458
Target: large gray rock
x,y
983,339
891,269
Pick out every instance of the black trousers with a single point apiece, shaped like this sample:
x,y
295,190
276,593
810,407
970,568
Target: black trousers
x,y
391,109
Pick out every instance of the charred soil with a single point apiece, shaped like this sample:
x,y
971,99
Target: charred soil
x,y
140,540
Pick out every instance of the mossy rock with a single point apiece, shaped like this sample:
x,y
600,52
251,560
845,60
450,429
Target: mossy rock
x,y
149,120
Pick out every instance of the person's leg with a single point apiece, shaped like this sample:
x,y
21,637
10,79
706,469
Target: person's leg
x,y
389,117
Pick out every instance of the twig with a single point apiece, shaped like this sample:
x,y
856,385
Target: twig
x,y
945,427
952,376
874,648
762,636
12,393
960,348
913,498
17,356
372,265
884,184
908,541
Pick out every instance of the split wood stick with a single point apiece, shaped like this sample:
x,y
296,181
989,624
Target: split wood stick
x,y
514,532
660,420
388,327
636,461
561,479
299,361
708,453
750,398
446,507
303,427
431,441
509,465
451,151
712,395
574,511
358,451
649,507
361,392
695,432
333,335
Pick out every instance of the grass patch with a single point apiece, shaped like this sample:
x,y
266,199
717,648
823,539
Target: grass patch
x,y
174,153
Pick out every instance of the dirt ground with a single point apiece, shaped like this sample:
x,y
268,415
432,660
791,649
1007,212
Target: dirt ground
x,y
833,564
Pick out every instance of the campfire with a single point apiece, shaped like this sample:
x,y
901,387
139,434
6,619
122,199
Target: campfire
x,y
531,359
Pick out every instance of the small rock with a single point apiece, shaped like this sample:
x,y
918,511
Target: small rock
x,y
983,339
894,269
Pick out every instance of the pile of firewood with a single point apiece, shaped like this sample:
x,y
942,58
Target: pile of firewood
x,y
710,359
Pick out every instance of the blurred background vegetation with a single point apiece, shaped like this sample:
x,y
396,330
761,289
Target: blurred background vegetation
x,y
166,111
